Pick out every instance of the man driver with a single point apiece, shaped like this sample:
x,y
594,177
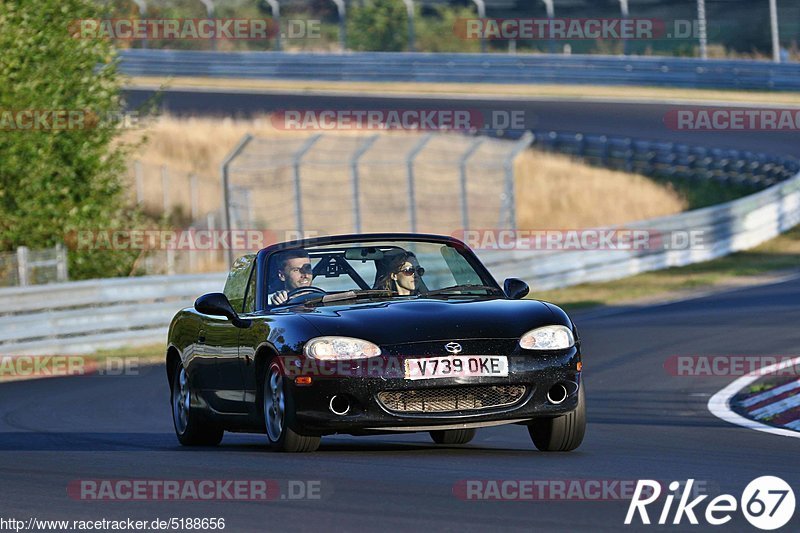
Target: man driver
x,y
295,271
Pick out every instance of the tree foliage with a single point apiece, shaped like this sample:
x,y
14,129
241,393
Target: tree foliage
x,y
380,25
55,182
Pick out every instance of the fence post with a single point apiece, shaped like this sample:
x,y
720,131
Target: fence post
x,y
604,149
212,253
170,261
355,179
193,195
410,8
22,265
628,155
224,168
165,188
298,191
61,263
701,26
508,165
137,172
340,7
581,141
481,5
412,195
462,166
276,16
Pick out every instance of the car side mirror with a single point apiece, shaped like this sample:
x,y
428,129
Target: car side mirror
x,y
217,304
515,288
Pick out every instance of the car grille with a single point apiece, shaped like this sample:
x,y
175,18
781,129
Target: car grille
x,y
452,399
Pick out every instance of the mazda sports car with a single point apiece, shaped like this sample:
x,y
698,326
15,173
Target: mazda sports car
x,y
372,334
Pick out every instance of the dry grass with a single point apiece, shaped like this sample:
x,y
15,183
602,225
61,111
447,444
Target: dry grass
x,y
556,192
552,190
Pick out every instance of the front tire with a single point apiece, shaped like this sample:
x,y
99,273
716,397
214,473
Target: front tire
x,y
278,409
563,433
190,428
453,436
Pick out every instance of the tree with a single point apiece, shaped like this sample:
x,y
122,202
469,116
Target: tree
x,y
381,25
57,180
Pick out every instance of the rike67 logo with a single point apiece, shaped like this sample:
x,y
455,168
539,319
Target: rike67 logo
x,y
767,503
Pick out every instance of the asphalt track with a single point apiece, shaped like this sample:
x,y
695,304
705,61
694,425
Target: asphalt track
x,y
643,423
638,120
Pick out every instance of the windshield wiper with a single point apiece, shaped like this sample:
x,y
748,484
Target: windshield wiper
x,y
455,288
349,295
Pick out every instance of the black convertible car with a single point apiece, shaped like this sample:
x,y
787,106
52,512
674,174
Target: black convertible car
x,y
376,333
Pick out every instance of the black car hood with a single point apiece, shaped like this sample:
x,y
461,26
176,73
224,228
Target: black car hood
x,y
405,321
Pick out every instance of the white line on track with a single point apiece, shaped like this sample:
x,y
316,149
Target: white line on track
x,y
720,403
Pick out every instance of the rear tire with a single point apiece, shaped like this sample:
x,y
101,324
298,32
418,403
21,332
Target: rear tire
x,y
453,436
190,427
278,410
563,433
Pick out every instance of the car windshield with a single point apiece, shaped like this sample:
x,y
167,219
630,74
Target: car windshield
x,y
387,269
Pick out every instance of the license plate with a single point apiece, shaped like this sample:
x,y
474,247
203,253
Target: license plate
x,y
456,366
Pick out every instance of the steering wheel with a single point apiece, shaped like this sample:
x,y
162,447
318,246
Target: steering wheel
x,y
294,292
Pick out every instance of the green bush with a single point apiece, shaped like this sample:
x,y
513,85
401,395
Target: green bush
x,y
380,25
438,33
56,182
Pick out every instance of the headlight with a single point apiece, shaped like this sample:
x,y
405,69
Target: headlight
x,y
548,338
338,348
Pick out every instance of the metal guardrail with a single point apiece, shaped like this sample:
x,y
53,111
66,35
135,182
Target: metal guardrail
x,y
83,316
470,68
671,160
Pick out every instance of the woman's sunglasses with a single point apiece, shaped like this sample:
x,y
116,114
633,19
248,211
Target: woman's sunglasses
x,y
410,271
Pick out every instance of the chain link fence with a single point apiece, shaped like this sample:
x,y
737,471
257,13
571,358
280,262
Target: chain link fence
x,y
329,184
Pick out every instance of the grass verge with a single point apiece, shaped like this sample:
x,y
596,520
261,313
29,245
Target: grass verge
x,y
567,92
779,255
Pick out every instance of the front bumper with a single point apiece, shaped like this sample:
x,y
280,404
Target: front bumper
x,y
367,414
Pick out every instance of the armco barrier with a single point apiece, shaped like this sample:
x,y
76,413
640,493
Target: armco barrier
x,y
82,316
724,229
469,68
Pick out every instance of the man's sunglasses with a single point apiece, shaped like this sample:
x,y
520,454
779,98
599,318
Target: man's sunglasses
x,y
410,271
305,269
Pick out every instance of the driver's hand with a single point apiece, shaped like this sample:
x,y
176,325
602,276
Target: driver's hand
x,y
279,297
